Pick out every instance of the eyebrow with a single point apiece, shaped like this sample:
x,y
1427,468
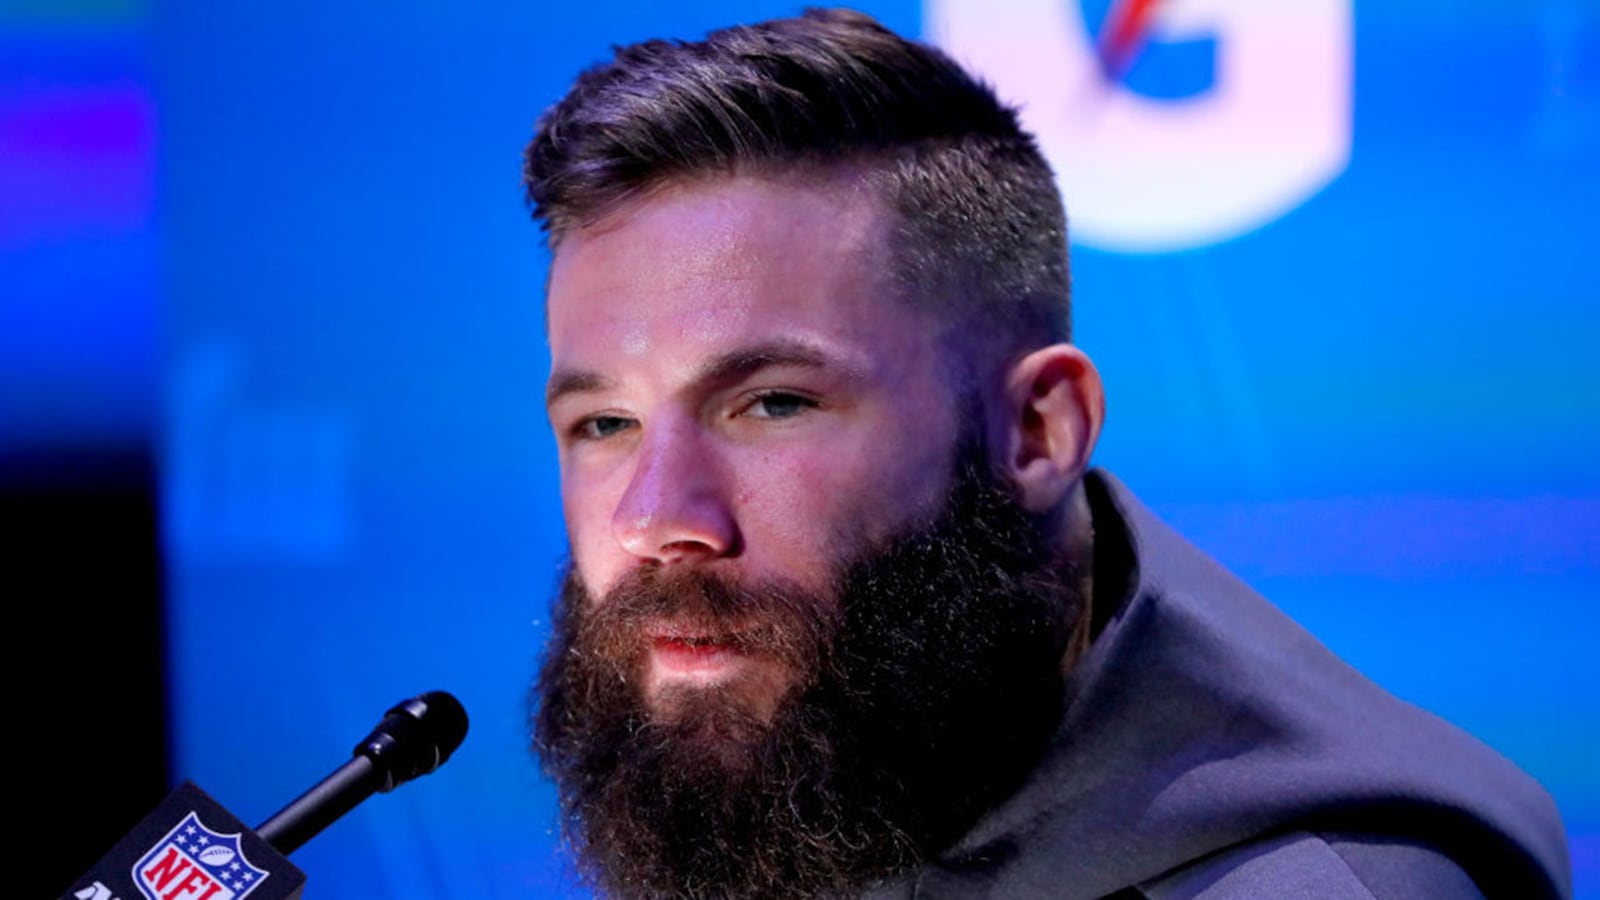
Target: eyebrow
x,y
742,362
563,384
727,368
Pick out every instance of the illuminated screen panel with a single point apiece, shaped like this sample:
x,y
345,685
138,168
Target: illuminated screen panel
x,y
79,359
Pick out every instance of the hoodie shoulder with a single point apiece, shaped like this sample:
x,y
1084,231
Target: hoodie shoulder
x,y
1210,742
1325,865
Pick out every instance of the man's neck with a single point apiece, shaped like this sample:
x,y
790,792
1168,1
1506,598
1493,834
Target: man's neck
x,y
1078,556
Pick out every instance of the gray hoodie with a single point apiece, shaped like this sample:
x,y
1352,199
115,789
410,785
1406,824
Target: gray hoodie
x,y
1210,747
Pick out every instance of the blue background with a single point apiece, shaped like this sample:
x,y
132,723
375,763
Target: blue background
x,y
285,244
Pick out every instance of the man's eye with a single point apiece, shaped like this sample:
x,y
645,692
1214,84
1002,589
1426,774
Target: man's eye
x,y
599,427
779,405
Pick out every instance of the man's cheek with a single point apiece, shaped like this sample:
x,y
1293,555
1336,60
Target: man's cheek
x,y
784,502
590,497
596,556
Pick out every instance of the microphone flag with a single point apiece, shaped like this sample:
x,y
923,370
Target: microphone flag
x,y
190,848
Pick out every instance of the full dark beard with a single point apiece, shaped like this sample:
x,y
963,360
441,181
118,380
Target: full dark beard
x,y
918,705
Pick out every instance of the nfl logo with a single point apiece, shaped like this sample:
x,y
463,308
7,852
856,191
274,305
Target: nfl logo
x,y
195,863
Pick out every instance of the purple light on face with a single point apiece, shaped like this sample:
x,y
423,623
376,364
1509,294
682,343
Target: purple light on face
x,y
75,162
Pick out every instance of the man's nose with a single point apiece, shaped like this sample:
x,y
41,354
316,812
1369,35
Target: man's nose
x,y
675,508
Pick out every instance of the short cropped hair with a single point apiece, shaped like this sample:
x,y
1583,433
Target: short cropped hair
x,y
977,232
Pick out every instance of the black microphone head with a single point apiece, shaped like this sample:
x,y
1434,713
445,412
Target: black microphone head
x,y
415,737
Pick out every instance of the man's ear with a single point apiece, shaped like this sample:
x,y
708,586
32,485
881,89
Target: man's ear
x,y
1054,405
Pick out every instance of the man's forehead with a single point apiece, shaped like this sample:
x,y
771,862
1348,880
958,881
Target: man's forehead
x,y
726,222
795,187
718,262
729,366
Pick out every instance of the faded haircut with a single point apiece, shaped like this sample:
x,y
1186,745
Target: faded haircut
x,y
977,232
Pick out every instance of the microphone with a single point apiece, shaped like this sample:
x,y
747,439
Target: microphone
x,y
415,737
191,848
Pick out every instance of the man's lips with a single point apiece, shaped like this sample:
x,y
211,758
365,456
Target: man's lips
x,y
692,656
700,657
693,635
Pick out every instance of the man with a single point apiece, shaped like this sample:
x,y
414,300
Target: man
x,y
847,613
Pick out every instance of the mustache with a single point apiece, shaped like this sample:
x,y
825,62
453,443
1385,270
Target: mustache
x,y
774,618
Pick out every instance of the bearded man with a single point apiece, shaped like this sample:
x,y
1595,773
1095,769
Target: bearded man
x,y
847,612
